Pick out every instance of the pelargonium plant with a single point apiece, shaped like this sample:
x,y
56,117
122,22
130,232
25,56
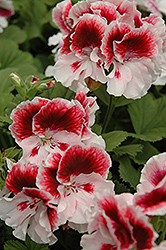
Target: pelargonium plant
x,y
85,169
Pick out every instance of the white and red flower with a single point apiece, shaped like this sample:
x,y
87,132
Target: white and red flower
x,y
29,210
41,125
109,42
6,10
72,180
116,224
151,192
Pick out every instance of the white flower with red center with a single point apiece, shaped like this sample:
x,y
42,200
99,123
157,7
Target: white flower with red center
x,y
39,128
115,224
29,210
6,10
151,193
110,43
72,180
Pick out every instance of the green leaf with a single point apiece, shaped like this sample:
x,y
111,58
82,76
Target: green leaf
x,y
120,188
148,116
127,172
14,245
14,33
114,138
34,246
34,15
12,152
129,149
147,152
5,98
13,60
58,90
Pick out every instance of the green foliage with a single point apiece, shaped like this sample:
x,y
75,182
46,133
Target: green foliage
x,y
114,139
148,116
127,172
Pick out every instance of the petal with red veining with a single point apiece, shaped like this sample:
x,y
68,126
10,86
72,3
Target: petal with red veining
x,y
60,16
106,10
46,178
59,115
22,118
154,202
114,32
141,227
22,175
137,43
154,170
79,159
88,34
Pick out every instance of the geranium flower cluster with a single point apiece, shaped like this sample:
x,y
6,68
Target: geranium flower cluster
x,y
62,179
6,10
108,42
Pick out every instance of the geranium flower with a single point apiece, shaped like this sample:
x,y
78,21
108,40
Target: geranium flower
x,y
6,10
29,206
72,180
151,192
109,42
155,6
116,224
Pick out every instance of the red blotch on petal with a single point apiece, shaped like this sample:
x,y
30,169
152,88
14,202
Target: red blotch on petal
x,y
80,160
60,16
108,247
47,181
142,232
137,44
114,32
21,176
152,201
22,117
105,9
119,223
5,12
59,115
88,33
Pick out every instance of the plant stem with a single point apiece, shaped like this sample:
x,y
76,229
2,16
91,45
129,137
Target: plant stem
x,y
109,113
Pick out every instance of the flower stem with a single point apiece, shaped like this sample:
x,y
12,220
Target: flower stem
x,y
109,113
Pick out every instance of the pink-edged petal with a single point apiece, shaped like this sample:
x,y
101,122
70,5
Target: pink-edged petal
x,y
60,16
21,175
88,34
59,115
154,170
78,69
79,9
156,21
120,226
6,8
22,118
154,202
5,12
16,212
118,79
96,241
46,178
141,228
106,10
79,159
89,104
137,43
114,32
80,191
